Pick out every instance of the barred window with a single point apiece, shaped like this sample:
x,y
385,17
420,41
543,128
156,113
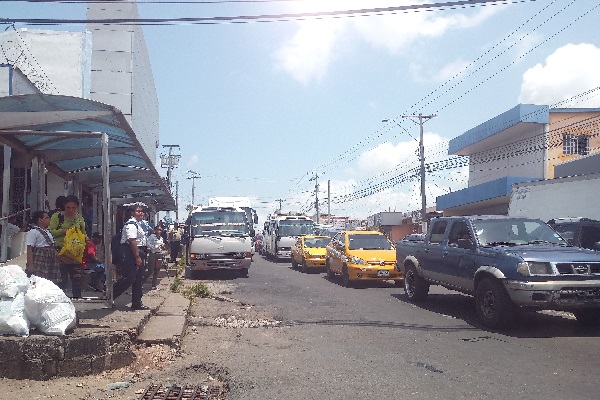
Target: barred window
x,y
576,144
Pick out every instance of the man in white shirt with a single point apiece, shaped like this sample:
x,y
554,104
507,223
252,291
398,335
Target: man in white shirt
x,y
133,240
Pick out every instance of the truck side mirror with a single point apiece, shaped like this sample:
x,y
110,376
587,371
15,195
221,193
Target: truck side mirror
x,y
465,244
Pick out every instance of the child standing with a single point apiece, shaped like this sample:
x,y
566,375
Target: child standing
x,y
42,258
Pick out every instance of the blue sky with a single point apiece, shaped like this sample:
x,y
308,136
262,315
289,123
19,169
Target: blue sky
x,y
258,108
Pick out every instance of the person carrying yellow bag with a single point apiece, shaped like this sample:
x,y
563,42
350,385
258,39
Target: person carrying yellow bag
x,y
60,223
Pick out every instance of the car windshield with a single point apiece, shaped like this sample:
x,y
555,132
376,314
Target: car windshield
x,y
296,228
316,242
219,223
511,232
369,242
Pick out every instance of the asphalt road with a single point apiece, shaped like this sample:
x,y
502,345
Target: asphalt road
x,y
331,342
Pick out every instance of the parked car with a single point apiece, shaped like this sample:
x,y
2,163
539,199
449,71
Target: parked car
x,y
413,237
361,256
309,252
508,263
580,232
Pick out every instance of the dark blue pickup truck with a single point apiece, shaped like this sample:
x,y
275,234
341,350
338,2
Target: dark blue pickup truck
x,y
507,263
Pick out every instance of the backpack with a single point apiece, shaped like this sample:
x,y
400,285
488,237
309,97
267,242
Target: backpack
x,y
117,250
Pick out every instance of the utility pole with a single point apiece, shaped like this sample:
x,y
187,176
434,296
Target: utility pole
x,y
280,202
421,117
422,169
329,200
316,179
177,201
193,176
170,161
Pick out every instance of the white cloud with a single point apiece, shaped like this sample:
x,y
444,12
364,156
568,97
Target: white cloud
x,y
570,70
387,155
395,32
424,72
194,159
308,54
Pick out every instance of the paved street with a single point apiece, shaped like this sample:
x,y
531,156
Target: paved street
x,y
339,343
281,334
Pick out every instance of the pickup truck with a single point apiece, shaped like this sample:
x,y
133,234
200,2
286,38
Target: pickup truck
x,y
509,264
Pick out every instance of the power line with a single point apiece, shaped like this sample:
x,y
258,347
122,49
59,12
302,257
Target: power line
x,y
260,18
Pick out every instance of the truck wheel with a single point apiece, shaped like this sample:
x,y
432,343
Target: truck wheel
x,y
588,316
494,307
328,271
346,282
415,287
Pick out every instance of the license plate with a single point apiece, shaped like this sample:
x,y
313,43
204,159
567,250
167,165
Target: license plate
x,y
383,273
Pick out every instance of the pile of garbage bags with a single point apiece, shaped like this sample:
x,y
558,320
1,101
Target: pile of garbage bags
x,y
32,302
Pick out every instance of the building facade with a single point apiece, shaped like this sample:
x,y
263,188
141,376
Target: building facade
x,y
524,144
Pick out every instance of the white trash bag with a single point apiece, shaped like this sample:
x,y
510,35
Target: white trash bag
x,y
13,280
12,316
48,307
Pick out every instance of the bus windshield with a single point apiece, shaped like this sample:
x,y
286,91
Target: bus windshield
x,y
296,228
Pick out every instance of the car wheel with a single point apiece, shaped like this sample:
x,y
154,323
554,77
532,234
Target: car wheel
x,y
303,267
346,282
494,307
330,273
588,316
415,287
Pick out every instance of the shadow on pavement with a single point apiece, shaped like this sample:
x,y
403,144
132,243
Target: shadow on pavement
x,y
542,324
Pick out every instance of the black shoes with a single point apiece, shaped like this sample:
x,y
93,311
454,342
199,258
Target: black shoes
x,y
140,307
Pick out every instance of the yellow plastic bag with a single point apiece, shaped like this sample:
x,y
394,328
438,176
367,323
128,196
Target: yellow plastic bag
x,y
74,245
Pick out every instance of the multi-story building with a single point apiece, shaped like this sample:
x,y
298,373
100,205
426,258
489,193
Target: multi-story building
x,y
523,144
80,85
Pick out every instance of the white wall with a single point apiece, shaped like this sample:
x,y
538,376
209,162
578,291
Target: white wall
x,y
122,73
520,154
53,61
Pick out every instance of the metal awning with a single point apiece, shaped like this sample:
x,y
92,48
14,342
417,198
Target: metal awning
x,y
66,132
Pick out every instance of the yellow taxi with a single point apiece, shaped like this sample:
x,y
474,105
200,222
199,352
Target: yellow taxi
x,y
309,252
361,256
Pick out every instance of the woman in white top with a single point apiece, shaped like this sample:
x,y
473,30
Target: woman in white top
x,y
156,246
42,259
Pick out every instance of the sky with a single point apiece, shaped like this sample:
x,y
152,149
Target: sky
x,y
262,108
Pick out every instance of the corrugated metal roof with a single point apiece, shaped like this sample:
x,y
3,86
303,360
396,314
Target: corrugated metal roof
x,y
65,130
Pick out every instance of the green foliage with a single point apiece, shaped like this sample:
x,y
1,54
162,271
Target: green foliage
x,y
176,285
190,291
196,290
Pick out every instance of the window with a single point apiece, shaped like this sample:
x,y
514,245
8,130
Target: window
x,y
576,144
437,232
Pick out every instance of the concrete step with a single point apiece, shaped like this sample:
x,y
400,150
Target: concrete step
x,y
168,323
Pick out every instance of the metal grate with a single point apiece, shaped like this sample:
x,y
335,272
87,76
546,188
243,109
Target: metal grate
x,y
187,392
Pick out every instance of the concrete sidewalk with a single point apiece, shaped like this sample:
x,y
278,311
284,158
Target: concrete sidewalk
x,y
102,339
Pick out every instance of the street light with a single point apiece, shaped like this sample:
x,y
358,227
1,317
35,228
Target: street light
x,y
422,168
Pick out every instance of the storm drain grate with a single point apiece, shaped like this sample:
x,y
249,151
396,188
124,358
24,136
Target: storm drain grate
x,y
174,392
